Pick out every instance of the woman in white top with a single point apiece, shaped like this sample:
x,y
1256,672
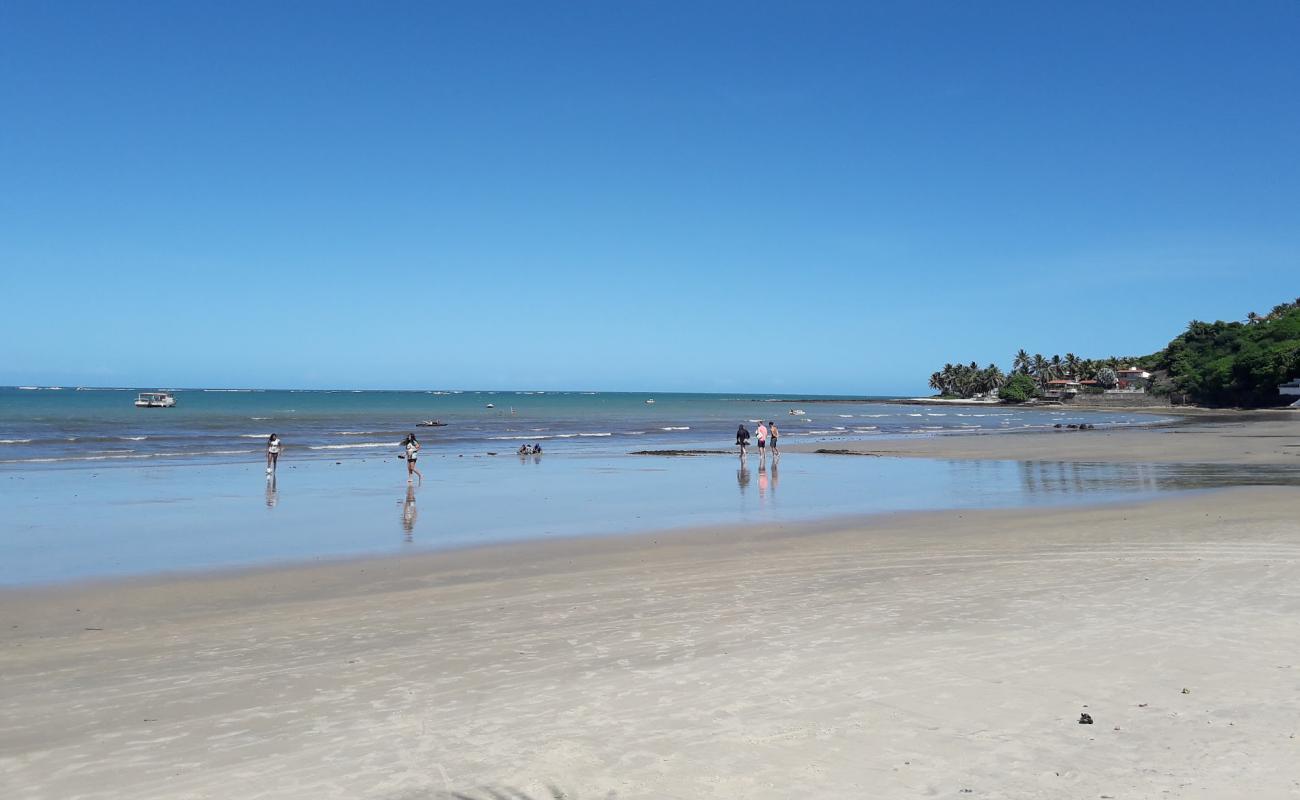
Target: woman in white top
x,y
412,447
273,448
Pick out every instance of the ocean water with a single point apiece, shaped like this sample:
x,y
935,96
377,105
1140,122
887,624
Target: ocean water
x,y
92,487
94,427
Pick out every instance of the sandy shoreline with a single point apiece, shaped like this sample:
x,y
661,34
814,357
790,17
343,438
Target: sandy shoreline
x,y
912,654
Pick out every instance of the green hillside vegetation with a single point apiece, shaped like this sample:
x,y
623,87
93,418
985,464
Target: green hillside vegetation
x,y
1235,363
1212,363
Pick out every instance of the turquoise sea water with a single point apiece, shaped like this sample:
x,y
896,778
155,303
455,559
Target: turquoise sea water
x,y
91,486
69,426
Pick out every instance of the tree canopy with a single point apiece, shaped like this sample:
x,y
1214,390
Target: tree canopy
x,y
1235,363
1211,363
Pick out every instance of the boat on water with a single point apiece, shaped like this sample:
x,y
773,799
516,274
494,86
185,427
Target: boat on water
x,y
490,405
797,412
650,402
155,400
432,423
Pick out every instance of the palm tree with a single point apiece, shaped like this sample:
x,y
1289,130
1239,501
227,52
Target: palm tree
x,y
936,381
1021,362
993,378
1039,368
1072,365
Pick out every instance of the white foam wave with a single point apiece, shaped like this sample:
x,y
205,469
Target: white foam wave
x,y
14,441
676,428
133,438
352,446
254,435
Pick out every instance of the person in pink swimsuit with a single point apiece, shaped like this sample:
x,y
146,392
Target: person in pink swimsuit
x,y
760,433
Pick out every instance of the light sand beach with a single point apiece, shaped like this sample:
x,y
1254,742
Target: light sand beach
x,y
927,654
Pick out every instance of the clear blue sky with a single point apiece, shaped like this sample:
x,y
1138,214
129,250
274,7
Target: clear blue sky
x,y
800,197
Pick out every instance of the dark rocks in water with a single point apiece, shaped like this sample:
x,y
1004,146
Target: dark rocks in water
x,y
829,452
681,453
1072,426
1085,719
1057,425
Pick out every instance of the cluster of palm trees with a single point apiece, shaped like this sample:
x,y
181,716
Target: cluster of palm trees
x,y
1278,310
968,380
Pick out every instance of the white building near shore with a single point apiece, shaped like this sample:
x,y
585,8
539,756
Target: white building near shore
x,y
1291,389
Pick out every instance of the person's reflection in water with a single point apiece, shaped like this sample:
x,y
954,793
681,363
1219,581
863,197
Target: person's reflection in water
x,y
776,461
762,480
409,513
742,476
271,497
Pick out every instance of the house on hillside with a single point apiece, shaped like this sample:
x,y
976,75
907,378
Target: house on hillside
x,y
1061,389
1131,380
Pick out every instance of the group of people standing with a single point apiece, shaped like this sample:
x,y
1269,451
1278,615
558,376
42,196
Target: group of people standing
x,y
763,434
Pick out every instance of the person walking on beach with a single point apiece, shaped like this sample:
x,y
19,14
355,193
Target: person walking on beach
x,y
742,439
761,434
412,447
273,448
772,434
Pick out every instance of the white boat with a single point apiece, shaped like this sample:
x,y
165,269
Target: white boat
x,y
650,402
155,400
489,405
797,412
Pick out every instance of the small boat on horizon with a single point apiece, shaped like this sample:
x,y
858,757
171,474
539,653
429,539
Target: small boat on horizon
x,y
490,405
650,402
155,400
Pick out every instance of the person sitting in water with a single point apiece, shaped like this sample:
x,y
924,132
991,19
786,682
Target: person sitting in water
x,y
523,449
537,449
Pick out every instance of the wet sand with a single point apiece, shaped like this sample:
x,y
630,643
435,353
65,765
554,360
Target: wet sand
x,y
892,656
1271,437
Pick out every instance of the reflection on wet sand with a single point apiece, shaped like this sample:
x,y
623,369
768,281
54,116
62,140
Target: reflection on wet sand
x,y
409,513
742,476
271,497
1066,477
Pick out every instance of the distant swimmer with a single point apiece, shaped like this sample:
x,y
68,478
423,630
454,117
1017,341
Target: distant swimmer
x,y
411,448
273,448
523,449
537,449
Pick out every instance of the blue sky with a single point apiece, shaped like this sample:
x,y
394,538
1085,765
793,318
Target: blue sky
x,y
802,197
